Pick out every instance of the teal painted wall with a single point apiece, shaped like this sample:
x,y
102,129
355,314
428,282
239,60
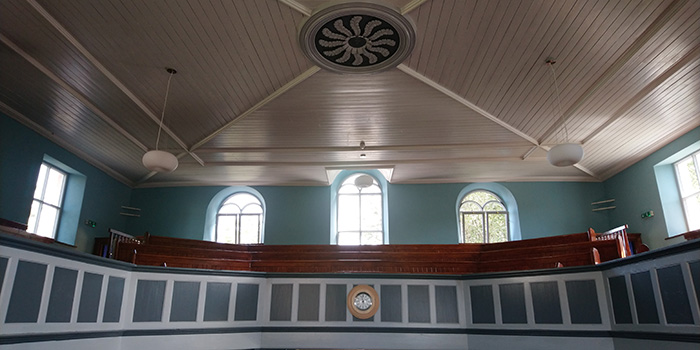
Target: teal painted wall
x,y
418,214
295,215
301,215
21,153
636,191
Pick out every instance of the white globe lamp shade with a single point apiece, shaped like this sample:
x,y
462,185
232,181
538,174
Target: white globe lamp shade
x,y
364,181
565,154
159,161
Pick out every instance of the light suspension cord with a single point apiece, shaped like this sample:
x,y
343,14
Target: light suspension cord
x,y
551,62
165,103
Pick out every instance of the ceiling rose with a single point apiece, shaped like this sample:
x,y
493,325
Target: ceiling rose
x,y
357,37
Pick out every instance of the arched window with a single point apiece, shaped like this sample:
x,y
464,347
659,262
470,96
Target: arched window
x,y
240,219
360,211
483,218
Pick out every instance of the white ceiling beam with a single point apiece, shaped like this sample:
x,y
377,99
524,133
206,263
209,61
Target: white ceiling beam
x,y
68,36
298,7
648,89
402,67
355,148
294,82
411,6
626,56
72,91
64,143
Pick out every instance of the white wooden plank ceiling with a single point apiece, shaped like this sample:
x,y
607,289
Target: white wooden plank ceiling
x,y
474,101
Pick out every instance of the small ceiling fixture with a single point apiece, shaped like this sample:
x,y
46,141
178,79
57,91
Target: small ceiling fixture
x,y
157,160
565,154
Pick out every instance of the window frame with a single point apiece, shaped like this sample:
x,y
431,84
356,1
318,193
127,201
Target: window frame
x,y
695,157
241,213
41,201
505,199
339,183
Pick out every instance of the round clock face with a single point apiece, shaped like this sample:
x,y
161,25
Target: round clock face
x,y
362,301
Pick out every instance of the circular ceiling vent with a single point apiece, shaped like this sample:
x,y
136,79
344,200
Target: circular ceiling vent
x,y
357,37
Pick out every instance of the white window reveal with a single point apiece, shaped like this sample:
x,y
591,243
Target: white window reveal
x,y
239,220
483,218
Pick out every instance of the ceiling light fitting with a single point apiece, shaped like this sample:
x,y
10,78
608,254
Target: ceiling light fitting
x,y
364,181
565,154
157,160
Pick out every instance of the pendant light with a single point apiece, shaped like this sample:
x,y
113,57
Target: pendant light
x,y
565,154
157,160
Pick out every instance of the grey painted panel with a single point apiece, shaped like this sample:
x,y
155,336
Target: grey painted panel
x,y
446,304
309,295
512,297
482,304
674,295
418,304
644,300
390,303
113,302
370,319
545,302
695,273
185,299
247,302
61,297
336,299
620,300
90,297
148,303
25,299
583,302
281,302
217,299
3,267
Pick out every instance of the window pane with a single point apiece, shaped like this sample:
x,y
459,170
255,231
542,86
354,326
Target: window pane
x,y
249,229
470,206
481,197
47,221
348,238
494,206
687,176
474,228
374,189
33,217
348,189
226,229
242,199
372,238
229,209
54,187
371,213
253,209
692,212
39,190
348,213
498,228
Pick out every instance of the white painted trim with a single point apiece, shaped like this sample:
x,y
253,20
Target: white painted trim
x,y
294,82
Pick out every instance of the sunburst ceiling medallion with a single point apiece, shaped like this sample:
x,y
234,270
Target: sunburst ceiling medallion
x,y
357,37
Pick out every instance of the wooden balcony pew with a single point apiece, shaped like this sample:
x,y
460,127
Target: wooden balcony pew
x,y
127,251
191,262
